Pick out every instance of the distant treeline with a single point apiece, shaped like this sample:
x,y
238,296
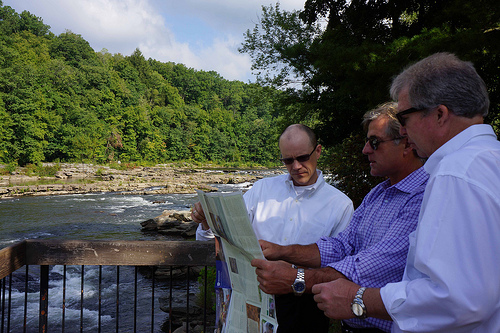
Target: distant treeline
x,y
62,101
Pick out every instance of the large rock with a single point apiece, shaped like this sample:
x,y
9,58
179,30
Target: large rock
x,y
172,222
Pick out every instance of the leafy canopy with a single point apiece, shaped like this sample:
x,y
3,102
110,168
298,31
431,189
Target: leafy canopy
x,y
62,101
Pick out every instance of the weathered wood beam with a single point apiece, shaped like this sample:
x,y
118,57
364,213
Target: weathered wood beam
x,y
12,258
133,253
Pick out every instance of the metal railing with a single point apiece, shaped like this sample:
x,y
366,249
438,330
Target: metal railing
x,y
110,269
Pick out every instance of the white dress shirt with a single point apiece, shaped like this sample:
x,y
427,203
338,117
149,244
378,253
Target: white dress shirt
x,y
286,214
452,277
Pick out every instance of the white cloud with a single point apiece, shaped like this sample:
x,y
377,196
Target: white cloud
x,y
201,34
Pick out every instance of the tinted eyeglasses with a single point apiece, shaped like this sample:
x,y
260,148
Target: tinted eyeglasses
x,y
375,142
300,159
400,115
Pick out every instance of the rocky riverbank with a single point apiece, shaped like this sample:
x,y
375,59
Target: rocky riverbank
x,y
160,179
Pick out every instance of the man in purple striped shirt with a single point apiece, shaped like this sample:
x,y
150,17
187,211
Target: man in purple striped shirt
x,y
372,250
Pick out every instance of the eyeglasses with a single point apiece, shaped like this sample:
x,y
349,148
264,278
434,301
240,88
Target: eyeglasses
x,y
300,159
375,142
400,115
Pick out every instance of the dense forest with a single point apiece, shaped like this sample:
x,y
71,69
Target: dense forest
x,y
324,65
62,101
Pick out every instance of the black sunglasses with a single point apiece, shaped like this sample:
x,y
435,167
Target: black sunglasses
x,y
375,142
400,115
300,159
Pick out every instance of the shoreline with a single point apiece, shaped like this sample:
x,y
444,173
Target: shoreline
x,y
75,178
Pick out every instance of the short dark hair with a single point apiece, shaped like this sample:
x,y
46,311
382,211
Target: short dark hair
x,y
443,79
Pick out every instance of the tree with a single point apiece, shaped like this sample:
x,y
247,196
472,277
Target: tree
x,y
60,100
72,48
345,69
12,22
279,46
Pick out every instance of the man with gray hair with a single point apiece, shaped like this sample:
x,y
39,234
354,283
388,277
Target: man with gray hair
x,y
451,276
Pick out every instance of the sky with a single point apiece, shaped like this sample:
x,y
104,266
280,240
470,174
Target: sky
x,y
201,34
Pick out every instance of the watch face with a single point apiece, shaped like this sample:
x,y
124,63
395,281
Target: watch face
x,y
299,286
357,309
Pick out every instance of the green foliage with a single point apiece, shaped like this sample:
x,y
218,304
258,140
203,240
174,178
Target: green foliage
x,y
8,169
42,170
278,45
345,69
209,291
332,75
12,22
60,100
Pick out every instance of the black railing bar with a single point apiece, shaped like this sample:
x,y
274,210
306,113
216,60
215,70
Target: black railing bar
x,y
135,300
10,302
152,299
99,301
2,294
187,302
205,300
170,301
25,324
81,298
63,300
117,296
44,299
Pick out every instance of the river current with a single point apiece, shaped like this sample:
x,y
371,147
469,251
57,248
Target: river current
x,y
97,216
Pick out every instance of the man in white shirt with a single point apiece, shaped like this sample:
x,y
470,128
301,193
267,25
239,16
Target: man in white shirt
x,y
294,208
451,279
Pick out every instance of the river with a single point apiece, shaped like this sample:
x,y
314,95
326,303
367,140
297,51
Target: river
x,y
99,216
96,216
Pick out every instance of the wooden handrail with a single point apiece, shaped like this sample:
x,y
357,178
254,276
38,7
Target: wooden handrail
x,y
12,258
120,253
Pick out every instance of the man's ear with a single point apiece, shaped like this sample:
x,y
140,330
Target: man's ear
x,y
408,149
443,114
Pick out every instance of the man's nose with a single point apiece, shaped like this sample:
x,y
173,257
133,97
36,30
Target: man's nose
x,y
296,164
367,149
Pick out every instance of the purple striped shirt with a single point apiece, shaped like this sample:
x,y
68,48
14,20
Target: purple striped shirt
x,y
372,250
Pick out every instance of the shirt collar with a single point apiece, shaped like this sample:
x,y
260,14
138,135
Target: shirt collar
x,y
318,184
410,182
456,143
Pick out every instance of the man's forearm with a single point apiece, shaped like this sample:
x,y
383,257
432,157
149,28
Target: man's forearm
x,y
302,255
374,305
321,275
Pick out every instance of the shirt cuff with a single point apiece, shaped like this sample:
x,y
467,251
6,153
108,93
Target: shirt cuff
x,y
204,235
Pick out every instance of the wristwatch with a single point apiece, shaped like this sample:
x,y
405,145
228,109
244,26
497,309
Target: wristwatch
x,y
357,305
299,285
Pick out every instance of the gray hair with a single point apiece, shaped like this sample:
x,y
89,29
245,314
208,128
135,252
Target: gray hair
x,y
443,79
388,110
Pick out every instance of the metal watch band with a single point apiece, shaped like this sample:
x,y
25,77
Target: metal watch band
x,y
359,293
300,274
358,306
299,285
